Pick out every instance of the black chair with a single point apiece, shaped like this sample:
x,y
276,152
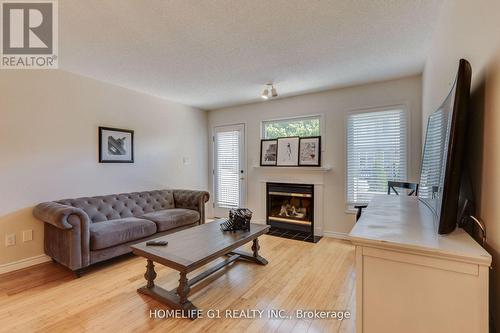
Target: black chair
x,y
392,186
360,209
435,190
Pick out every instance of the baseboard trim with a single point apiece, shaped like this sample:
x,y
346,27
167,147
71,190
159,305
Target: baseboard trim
x,y
335,234
23,263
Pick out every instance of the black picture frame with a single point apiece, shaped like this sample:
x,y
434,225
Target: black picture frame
x,y
316,138
262,152
127,133
296,163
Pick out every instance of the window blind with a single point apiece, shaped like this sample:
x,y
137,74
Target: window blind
x,y
227,169
376,152
433,154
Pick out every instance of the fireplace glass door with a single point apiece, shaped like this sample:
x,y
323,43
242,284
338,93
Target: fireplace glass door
x,y
290,207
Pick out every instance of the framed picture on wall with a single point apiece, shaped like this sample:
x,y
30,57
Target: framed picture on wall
x,y
116,145
310,151
288,151
268,152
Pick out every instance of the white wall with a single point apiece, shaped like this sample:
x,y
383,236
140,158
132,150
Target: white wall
x,y
466,29
49,146
471,30
334,105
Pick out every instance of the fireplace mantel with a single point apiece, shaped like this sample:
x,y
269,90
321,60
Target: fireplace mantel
x,y
294,168
290,181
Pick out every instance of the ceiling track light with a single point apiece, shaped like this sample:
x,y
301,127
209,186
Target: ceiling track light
x,y
269,92
273,92
265,94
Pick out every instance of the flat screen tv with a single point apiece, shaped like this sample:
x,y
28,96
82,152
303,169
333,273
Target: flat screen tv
x,y
441,168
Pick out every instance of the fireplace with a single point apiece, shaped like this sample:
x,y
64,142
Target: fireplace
x,y
290,210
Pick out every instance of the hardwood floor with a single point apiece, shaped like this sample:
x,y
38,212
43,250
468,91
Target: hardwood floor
x,y
300,275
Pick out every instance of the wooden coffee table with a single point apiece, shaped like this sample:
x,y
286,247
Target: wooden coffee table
x,y
190,249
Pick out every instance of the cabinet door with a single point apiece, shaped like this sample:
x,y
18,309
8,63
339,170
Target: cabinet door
x,y
412,293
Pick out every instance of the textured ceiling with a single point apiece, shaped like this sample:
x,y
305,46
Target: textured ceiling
x,y
211,54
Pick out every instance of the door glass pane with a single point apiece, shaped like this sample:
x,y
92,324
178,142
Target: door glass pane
x,y
227,170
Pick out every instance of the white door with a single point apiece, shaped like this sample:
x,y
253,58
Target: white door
x,y
229,168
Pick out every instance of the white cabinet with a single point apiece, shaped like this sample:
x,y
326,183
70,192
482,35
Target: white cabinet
x,y
410,279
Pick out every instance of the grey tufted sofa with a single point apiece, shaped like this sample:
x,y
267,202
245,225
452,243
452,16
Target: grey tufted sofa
x,y
80,232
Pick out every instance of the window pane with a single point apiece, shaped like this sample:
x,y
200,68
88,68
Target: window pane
x,y
376,153
302,127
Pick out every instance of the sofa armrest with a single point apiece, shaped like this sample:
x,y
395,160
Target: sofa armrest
x,y
66,234
58,214
194,200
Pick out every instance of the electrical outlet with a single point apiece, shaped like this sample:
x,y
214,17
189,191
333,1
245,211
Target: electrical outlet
x,y
10,240
27,235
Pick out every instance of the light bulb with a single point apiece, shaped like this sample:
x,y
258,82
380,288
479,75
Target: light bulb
x,y
265,94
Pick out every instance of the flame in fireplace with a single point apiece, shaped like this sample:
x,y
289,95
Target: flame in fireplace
x,y
289,210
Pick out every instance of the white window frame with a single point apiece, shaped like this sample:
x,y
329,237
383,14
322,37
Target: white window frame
x,y
409,168
321,118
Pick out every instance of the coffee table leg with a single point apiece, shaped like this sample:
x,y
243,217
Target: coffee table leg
x,y
183,288
255,247
150,274
254,257
255,250
182,292
176,299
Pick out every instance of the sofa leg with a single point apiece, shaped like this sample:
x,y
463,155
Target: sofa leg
x,y
54,261
78,273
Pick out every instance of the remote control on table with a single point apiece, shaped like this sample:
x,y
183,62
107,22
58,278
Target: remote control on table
x,y
156,243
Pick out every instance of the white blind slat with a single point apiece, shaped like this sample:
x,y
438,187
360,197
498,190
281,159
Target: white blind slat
x,y
227,185
433,155
376,152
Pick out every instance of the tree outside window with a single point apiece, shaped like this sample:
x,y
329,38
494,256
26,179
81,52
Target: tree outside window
x,y
302,127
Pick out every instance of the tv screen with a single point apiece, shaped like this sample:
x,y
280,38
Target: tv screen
x,y
443,152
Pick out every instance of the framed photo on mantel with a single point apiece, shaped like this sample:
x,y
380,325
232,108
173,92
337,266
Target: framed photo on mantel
x,y
116,145
288,151
268,152
310,151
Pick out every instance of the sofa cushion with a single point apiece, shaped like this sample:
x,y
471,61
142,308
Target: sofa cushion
x,y
172,218
116,232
